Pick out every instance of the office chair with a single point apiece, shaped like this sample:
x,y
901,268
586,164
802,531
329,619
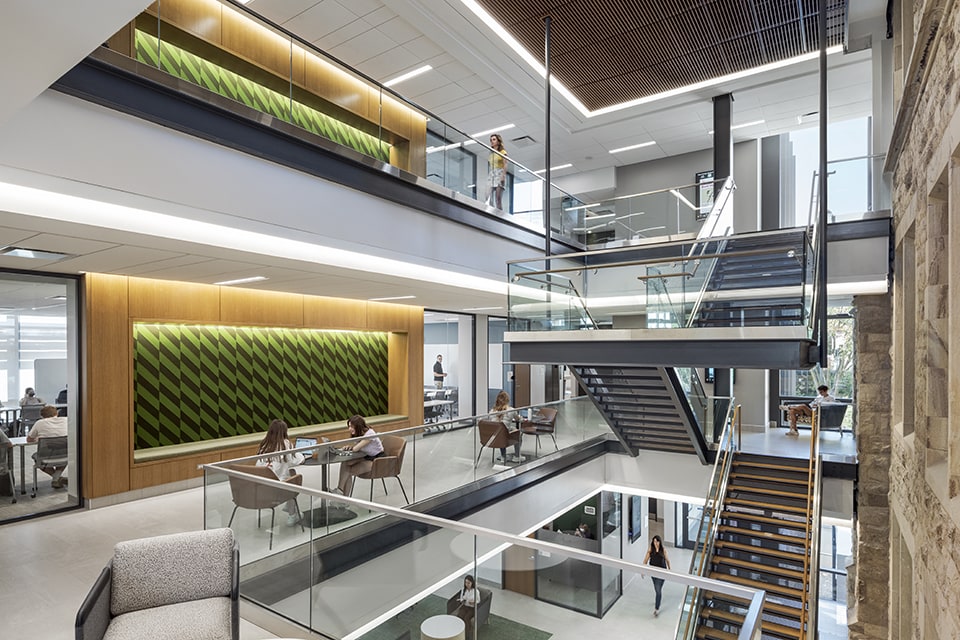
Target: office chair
x,y
51,452
388,465
253,495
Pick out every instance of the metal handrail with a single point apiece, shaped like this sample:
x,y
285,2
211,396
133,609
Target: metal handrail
x,y
707,532
811,559
649,193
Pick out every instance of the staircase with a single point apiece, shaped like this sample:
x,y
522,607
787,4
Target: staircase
x,y
645,406
764,542
743,288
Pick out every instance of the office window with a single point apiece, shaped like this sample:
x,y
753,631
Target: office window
x,y
451,337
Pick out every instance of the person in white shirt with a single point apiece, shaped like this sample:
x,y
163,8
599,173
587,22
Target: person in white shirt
x,y
796,410
282,465
50,425
469,598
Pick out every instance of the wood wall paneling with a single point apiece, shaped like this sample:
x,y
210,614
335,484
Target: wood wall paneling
x,y
265,308
150,474
106,436
334,313
202,18
382,316
177,301
255,43
398,399
123,41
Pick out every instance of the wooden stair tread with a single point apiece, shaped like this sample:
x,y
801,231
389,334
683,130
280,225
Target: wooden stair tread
x,y
779,629
766,491
768,535
707,633
721,614
759,566
789,592
768,465
751,476
763,505
781,610
799,525
760,551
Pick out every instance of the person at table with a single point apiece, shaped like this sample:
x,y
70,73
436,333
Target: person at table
x,y
371,447
50,425
509,417
438,374
277,441
469,598
30,397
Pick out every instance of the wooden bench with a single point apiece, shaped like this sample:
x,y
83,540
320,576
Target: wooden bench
x,y
333,430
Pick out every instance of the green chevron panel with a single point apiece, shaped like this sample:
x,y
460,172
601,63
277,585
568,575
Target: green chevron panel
x,y
195,382
192,68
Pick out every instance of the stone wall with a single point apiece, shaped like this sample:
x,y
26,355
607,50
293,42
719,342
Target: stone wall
x,y
869,575
923,536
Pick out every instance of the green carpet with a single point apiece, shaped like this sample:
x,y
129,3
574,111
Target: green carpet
x,y
408,622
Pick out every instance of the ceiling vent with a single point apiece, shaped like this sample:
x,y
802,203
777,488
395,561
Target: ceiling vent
x,y
522,142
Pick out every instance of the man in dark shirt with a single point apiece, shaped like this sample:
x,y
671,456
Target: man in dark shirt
x,y
438,374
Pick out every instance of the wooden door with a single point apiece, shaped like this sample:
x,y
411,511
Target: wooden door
x,y
519,571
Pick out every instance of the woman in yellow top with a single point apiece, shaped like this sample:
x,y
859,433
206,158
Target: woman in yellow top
x,y
498,169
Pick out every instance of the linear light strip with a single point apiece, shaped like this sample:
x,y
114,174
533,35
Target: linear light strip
x,y
406,76
50,205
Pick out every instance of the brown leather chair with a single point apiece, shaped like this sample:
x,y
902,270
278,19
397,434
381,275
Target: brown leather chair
x,y
252,495
543,422
495,435
388,465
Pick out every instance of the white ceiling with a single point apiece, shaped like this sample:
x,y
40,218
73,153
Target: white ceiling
x,y
476,84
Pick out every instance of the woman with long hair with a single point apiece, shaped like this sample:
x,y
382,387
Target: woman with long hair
x,y
276,441
469,598
657,557
497,176
509,417
370,445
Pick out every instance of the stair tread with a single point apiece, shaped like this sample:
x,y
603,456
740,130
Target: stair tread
x,y
791,592
773,608
766,506
767,491
750,476
747,548
796,525
792,574
708,633
767,535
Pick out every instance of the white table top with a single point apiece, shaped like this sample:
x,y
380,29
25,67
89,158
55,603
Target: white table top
x,y
442,627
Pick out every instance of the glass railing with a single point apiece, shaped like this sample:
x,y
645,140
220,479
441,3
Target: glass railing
x,y
447,455
700,561
683,284
855,188
246,58
403,572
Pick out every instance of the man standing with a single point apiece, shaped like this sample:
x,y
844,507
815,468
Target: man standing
x,y
795,410
438,374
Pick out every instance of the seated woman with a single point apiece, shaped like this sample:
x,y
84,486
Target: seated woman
x,y
469,598
509,417
276,441
370,445
794,411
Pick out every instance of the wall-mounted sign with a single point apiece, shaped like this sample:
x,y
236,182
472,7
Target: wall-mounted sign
x,y
704,194
590,511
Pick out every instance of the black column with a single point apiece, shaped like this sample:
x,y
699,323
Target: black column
x,y
722,137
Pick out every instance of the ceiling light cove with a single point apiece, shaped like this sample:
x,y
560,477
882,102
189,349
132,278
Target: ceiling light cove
x,y
391,298
406,76
227,283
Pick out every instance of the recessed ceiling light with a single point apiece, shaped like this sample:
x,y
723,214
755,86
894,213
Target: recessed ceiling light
x,y
480,134
406,76
391,298
556,168
242,280
35,254
741,126
633,146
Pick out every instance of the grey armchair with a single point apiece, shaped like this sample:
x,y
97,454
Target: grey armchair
x,y
179,586
483,608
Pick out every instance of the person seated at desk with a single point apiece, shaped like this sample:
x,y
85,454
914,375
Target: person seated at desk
x,y
510,418
370,445
796,410
583,531
276,441
30,397
469,598
50,425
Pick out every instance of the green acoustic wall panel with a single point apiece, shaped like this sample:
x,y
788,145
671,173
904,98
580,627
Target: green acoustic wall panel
x,y
192,68
198,382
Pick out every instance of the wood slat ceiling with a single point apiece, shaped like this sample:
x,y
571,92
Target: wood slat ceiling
x,y
612,51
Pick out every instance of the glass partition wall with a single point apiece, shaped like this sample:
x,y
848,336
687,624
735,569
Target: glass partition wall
x,y
39,383
448,365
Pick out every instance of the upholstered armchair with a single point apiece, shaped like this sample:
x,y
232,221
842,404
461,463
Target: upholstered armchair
x,y
181,586
483,609
495,435
543,422
388,465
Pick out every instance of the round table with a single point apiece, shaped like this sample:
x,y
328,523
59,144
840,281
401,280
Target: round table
x,y
442,628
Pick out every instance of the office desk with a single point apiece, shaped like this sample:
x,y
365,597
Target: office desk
x,y
442,406
22,443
